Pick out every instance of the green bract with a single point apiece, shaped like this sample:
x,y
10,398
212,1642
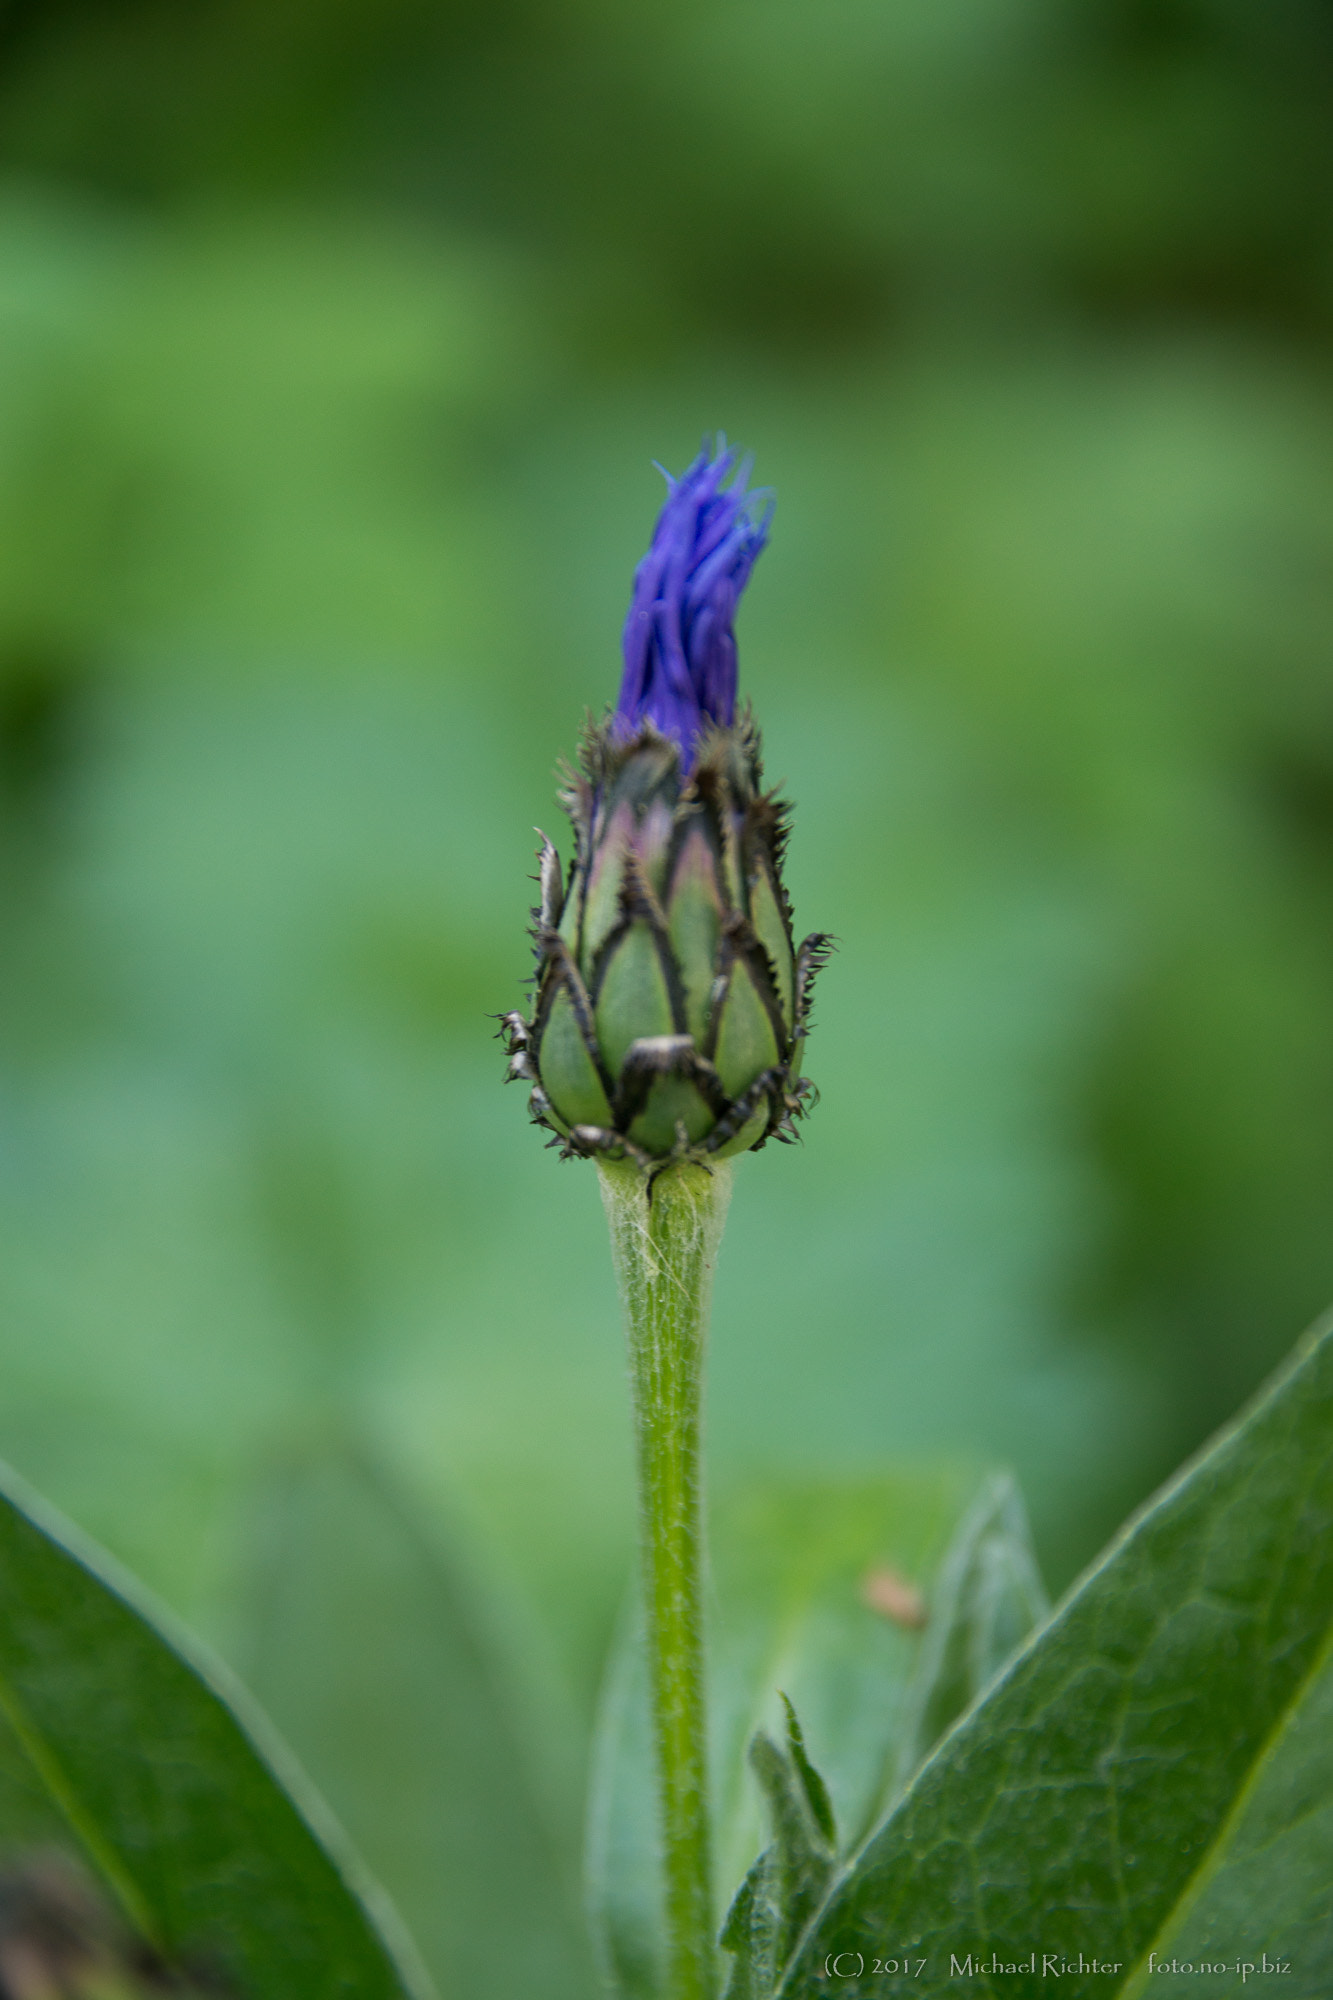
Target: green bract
x,y
671,1004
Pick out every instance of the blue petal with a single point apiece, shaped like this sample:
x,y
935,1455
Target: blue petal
x,y
680,649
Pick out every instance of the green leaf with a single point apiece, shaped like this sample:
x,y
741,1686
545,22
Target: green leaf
x,y
987,1599
817,1800
802,1857
169,1784
380,1660
1150,1781
791,1565
752,1933
786,1884
624,1854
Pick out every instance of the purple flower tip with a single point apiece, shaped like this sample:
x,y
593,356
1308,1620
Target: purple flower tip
x,y
680,650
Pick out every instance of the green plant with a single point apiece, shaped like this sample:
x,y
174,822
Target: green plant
x,y
914,1776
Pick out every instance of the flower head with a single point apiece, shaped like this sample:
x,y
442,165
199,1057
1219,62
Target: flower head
x,y
672,1001
680,650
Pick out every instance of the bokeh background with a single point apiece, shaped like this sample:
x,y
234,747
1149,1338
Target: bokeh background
x,y
336,344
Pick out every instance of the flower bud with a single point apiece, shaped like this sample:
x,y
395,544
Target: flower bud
x,y
671,1005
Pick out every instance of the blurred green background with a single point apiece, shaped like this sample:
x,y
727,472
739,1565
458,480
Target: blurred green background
x,y
336,342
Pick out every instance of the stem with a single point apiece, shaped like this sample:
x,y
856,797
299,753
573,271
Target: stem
x,y
664,1251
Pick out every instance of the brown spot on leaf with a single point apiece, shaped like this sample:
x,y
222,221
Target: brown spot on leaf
x,y
883,1590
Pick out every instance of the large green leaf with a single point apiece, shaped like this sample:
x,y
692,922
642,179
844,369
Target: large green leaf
x,y
125,1742
376,1655
791,1564
1152,1781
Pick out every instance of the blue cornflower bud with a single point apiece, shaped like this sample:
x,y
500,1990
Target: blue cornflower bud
x,y
671,1004
680,650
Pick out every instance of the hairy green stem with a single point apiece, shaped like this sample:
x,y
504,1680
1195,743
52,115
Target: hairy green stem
x,y
664,1251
